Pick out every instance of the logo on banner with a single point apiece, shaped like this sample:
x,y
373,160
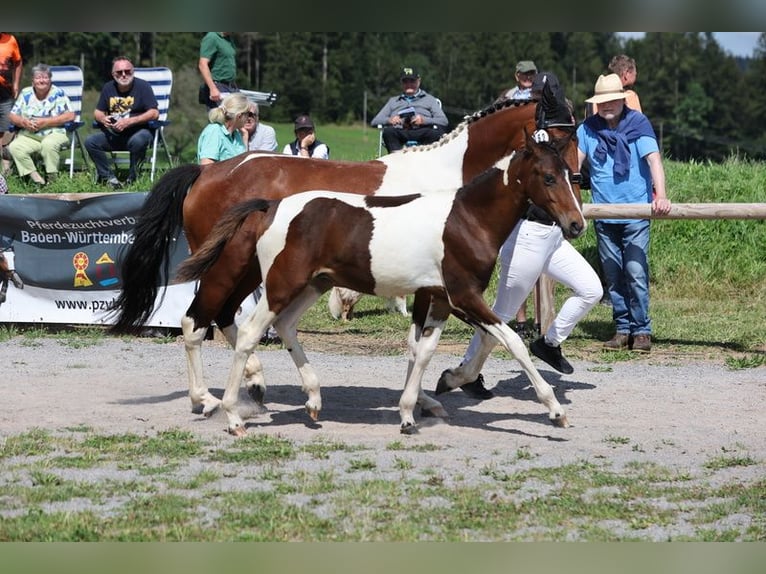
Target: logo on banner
x,y
80,262
106,273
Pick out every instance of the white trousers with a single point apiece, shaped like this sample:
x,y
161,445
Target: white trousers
x,y
531,249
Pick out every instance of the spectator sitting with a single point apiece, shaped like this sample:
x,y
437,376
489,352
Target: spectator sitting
x,y
260,136
525,75
414,115
225,136
125,107
39,114
305,143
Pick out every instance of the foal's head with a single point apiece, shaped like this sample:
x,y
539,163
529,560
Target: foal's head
x,y
546,180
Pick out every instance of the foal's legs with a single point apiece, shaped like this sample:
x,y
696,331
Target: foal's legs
x,y
513,344
248,336
422,343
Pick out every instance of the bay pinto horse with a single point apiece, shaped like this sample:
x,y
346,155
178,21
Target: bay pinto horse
x,y
7,275
442,245
195,198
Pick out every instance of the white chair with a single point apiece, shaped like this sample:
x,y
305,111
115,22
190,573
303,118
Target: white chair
x,y
161,80
260,98
70,79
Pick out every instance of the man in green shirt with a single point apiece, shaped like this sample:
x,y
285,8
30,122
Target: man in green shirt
x,y
218,66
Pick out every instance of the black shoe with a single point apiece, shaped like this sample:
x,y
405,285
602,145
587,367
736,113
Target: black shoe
x,y
476,389
551,355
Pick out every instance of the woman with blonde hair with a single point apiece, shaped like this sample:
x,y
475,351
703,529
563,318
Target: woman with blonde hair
x,y
225,136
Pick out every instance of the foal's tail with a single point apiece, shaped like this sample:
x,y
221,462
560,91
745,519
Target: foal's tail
x,y
148,258
205,257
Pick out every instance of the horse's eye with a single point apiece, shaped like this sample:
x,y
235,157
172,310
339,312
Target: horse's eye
x,y
549,179
575,178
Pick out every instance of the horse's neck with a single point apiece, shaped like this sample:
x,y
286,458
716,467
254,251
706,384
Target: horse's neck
x,y
496,199
495,136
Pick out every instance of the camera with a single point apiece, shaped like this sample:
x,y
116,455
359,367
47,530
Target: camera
x,y
407,114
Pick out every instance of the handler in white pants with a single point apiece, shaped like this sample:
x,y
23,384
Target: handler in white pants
x,y
535,246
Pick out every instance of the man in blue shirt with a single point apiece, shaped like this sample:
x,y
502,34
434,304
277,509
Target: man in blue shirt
x,y
625,167
412,116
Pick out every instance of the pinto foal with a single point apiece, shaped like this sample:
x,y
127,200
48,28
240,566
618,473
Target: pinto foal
x,y
446,245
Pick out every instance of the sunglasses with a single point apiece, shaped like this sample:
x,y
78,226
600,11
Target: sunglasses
x,y
123,72
251,115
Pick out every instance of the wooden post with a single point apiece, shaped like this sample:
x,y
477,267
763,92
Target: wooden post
x,y
546,285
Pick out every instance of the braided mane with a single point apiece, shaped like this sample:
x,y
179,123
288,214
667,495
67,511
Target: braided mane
x,y
467,121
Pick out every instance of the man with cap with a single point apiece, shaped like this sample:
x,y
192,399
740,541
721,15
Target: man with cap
x,y
412,116
525,75
625,167
305,143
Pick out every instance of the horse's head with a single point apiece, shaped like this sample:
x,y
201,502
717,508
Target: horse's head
x,y
545,178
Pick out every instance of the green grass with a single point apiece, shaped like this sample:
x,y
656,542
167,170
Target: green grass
x,y
293,500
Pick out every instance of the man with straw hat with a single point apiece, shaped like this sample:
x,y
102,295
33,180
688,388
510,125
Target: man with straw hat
x,y
626,167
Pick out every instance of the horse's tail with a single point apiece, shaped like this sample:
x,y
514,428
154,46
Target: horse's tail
x,y
148,257
199,263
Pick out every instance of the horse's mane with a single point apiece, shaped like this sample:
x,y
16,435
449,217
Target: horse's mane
x,y
467,121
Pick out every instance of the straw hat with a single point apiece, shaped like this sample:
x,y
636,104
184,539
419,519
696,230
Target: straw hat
x,y
608,88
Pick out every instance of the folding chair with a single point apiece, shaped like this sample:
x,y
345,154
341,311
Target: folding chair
x,y
411,143
161,81
260,98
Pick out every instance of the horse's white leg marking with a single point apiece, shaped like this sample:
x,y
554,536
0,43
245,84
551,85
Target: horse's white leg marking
x,y
248,336
420,356
286,326
202,401
513,343
426,403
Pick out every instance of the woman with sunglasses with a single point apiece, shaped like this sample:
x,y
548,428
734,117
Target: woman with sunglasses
x,y
225,136
124,109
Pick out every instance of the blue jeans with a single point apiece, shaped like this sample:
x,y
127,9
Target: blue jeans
x,y
136,142
623,249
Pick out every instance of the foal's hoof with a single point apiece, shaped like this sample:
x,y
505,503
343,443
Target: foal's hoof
x,y
442,386
313,413
197,409
238,431
560,421
409,428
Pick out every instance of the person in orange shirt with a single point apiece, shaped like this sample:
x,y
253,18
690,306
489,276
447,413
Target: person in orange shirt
x,y
625,67
10,81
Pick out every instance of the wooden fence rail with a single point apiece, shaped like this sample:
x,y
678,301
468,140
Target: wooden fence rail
x,y
545,285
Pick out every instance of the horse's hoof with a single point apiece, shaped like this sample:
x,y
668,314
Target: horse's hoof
x,y
198,409
313,413
256,393
409,429
442,386
560,421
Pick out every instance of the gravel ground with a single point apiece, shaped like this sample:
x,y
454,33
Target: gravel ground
x,y
679,415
